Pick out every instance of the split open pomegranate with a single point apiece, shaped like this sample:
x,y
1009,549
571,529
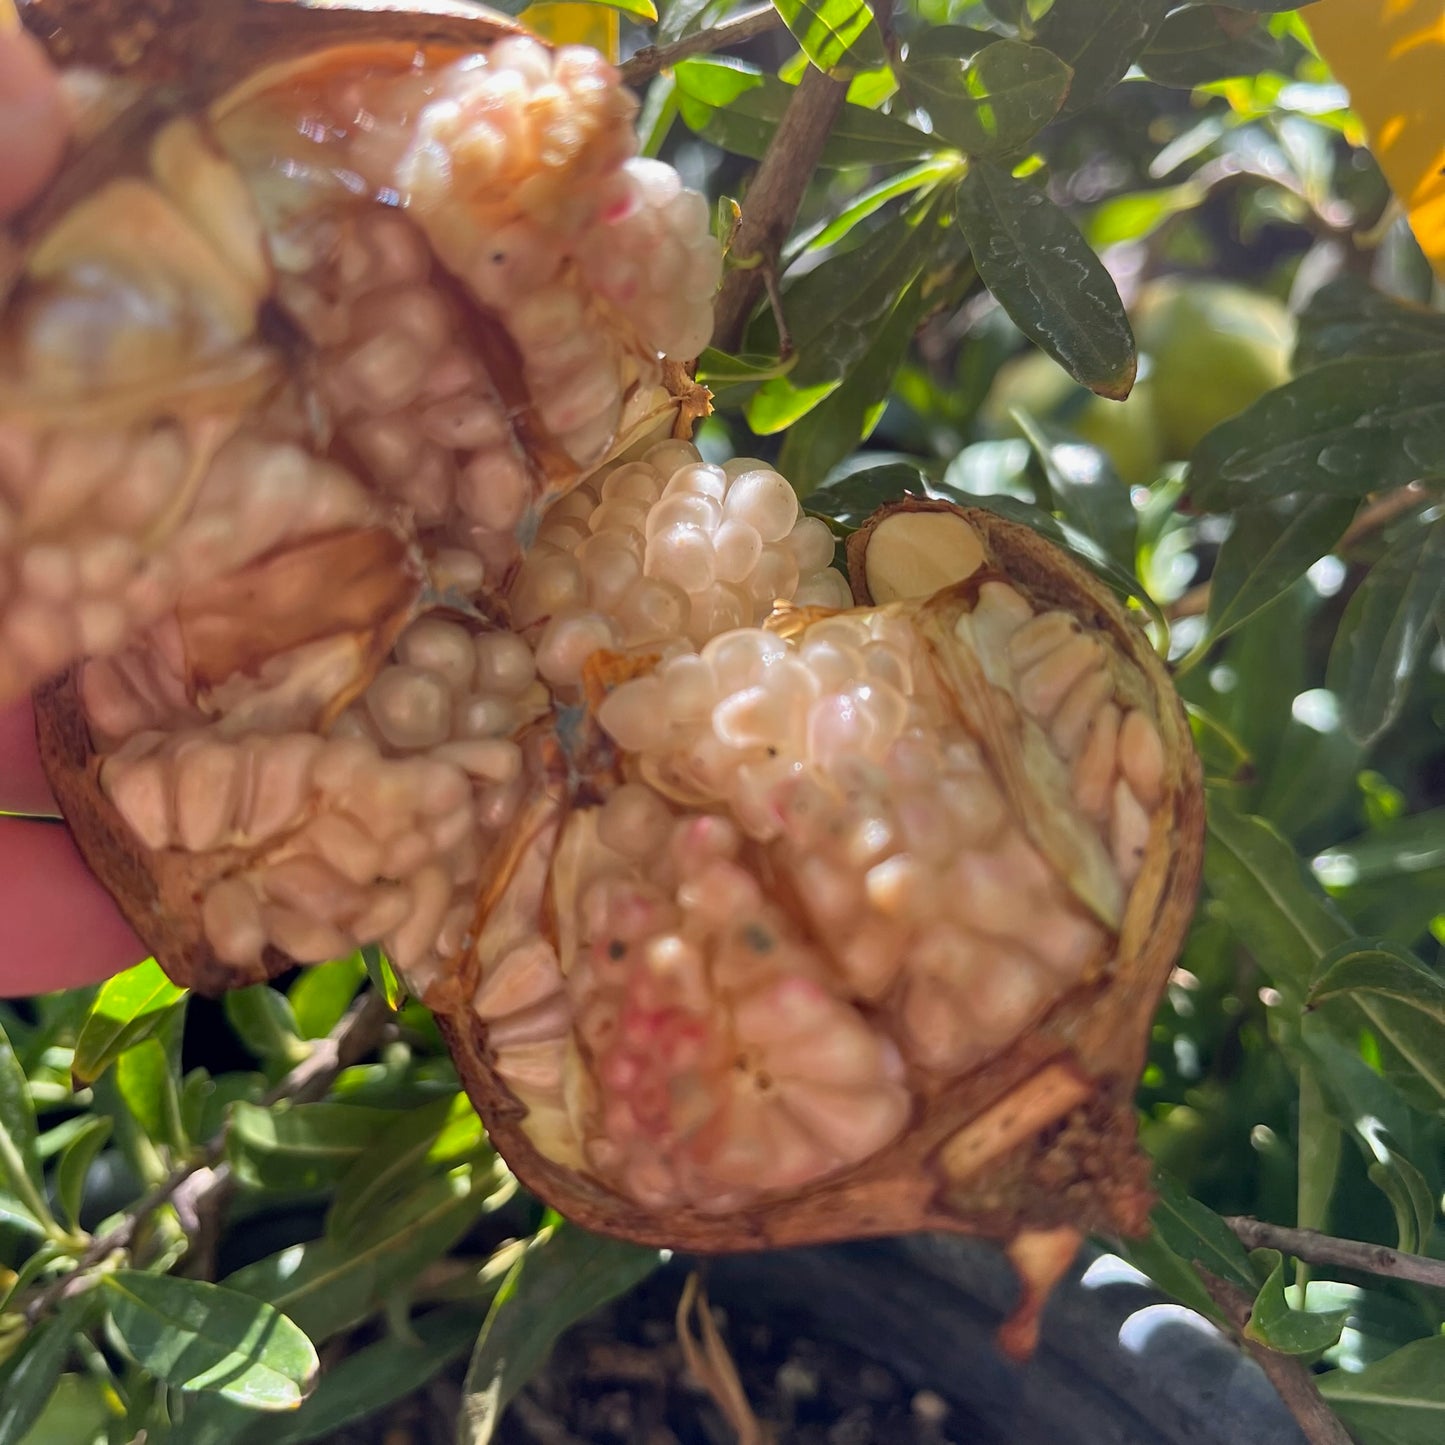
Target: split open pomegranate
x,y
375,595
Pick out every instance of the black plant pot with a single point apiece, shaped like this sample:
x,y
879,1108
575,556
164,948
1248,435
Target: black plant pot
x,y
1119,1364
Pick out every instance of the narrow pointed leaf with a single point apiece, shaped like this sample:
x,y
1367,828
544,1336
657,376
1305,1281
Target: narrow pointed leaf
x,y
1035,261
301,1147
74,1166
1100,39
30,1377
565,1274
1275,1323
840,37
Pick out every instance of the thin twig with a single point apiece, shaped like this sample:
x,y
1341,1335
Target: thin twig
x,y
1291,1379
773,198
747,25
365,1025
1315,1248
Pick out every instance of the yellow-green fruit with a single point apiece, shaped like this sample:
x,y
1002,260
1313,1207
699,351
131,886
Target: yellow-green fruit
x,y
1125,431
1214,349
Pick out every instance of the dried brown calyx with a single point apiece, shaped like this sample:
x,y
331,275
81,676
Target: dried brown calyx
x,y
343,468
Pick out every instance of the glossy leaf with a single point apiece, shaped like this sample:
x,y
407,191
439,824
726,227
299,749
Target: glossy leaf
x,y
128,1008
436,1133
30,1377
146,1081
992,104
1402,998
565,1274
1196,46
1348,317
852,498
375,1376
1275,1323
840,37
326,1286
1399,1400
738,108
323,992
1100,39
816,443
74,1166
199,1336
301,1146
1277,910
1387,627
266,1025
1352,426
1086,489
1034,260
1269,548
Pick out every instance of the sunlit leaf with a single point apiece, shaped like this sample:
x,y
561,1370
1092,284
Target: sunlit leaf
x,y
565,1274
1033,259
199,1336
1386,629
301,1146
322,993
128,1008
840,37
29,1377
738,108
263,1019
991,104
74,1166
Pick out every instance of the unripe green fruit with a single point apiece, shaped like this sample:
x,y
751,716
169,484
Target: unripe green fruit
x,y
1127,432
1215,349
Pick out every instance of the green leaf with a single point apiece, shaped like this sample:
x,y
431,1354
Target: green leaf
x,y
1272,1321
326,1285
923,177
74,1166
30,1377
840,37
1274,906
1269,548
837,311
992,104
301,1146
199,1336
383,977
815,444
1410,1197
1034,260
1086,489
1100,39
1197,1234
367,1381
437,1133
565,1274
147,1084
263,1019
20,1167
323,992
1403,1000
738,108
1350,318
853,497
1386,630
1352,426
128,1008
1320,1138
1400,1400
1195,47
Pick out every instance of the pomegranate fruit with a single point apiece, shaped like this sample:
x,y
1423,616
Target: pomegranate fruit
x,y
375,595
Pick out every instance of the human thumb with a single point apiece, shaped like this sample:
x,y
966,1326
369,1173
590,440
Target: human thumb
x,y
33,120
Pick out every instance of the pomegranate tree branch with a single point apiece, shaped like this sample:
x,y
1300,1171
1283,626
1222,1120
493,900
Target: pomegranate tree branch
x,y
1315,1248
746,25
364,1026
1291,1379
772,201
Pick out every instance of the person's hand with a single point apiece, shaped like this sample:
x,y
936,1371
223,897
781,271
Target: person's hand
x,y
58,926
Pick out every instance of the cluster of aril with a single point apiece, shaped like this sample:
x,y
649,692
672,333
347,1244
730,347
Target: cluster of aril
x,y
342,460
